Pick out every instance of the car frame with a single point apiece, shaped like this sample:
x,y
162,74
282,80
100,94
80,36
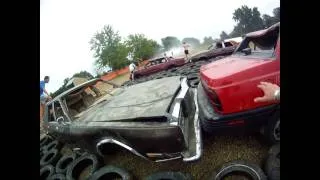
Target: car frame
x,y
219,48
166,129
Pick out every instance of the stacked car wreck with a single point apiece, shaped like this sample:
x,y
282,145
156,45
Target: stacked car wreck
x,y
156,120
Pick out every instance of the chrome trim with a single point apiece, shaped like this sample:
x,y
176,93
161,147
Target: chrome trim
x,y
169,159
176,110
184,88
113,141
182,93
197,132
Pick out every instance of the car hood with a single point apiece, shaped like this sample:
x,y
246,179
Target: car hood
x,y
218,73
143,100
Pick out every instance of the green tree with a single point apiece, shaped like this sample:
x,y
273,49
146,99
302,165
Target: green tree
x,y
248,20
83,74
108,49
207,41
170,42
224,35
271,20
276,14
192,41
141,47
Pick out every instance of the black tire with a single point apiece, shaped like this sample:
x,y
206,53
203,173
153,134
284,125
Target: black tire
x,y
50,157
41,154
272,163
169,176
64,162
272,129
80,164
173,70
45,140
46,172
275,149
57,177
243,168
53,145
111,172
194,83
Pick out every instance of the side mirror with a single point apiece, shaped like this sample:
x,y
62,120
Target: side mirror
x,y
246,51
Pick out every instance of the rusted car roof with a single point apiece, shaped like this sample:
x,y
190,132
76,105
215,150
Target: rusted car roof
x,y
263,32
90,82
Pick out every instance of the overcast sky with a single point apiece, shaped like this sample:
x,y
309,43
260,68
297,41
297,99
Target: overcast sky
x,y
66,26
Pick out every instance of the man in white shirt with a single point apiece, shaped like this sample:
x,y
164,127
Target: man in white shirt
x,y
186,47
132,67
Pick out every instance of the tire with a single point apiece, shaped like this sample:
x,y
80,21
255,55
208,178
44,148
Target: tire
x,y
111,172
57,177
272,129
249,170
53,145
64,162
77,167
46,140
173,70
193,80
275,149
41,154
272,163
168,176
50,157
194,84
46,172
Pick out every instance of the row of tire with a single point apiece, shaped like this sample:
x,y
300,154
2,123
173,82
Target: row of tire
x,y
55,166
190,70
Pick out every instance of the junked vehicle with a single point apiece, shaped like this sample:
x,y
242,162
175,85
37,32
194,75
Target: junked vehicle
x,y
158,64
220,48
156,120
228,87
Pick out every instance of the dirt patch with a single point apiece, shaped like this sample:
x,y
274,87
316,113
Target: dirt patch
x,y
217,151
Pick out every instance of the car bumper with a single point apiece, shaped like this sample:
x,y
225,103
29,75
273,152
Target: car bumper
x,y
211,121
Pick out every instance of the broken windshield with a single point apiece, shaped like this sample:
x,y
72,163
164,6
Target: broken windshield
x,y
261,46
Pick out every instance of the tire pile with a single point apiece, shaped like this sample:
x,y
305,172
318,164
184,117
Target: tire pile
x,y
55,165
189,70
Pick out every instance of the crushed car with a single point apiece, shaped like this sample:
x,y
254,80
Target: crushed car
x,y
228,87
157,65
156,120
220,48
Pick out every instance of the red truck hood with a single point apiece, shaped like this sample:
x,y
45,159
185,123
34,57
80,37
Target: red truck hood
x,y
219,73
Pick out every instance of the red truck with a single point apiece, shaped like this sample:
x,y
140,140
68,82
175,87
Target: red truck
x,y
159,64
228,87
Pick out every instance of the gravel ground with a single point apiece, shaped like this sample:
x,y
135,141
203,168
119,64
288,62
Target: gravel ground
x,y
216,151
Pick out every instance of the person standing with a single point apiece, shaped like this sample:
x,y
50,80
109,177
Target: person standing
x,y
186,47
44,95
132,67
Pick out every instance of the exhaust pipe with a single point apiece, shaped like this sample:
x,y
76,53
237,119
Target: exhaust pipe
x,y
109,140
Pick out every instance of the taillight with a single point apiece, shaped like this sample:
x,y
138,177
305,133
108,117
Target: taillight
x,y
214,100
213,97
